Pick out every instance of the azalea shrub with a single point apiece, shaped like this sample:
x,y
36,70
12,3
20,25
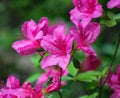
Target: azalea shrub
x,y
68,64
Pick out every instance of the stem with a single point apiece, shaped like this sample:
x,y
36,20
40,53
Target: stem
x,y
111,64
59,94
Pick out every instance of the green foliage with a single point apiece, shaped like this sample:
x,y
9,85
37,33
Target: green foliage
x,y
88,76
72,70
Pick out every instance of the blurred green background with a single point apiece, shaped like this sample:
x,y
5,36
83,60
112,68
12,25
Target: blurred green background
x,y
14,12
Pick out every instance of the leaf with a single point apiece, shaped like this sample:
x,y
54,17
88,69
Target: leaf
x,y
72,70
117,16
111,15
110,23
105,70
88,76
33,77
66,78
94,95
35,59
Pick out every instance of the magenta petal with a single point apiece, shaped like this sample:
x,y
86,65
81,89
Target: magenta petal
x,y
64,61
27,28
75,16
48,44
98,11
113,3
24,47
12,82
59,32
88,50
92,31
50,60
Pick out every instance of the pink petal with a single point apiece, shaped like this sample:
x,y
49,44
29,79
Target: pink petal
x,y
113,3
92,31
24,47
50,60
98,11
48,44
28,28
64,61
12,82
59,32
88,50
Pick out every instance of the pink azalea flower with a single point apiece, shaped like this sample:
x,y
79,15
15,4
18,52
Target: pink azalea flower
x,y
13,89
114,80
52,77
84,11
84,37
33,34
113,3
114,83
59,45
91,62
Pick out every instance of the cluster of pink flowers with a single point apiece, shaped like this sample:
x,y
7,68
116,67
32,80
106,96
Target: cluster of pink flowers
x,y
54,40
13,89
43,38
114,83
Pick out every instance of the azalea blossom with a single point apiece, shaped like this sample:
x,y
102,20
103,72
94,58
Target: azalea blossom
x,y
113,3
114,83
91,62
52,78
85,36
84,11
13,89
33,34
59,45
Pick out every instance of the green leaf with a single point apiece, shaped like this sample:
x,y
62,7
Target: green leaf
x,y
33,77
117,16
105,70
110,23
72,70
111,15
94,95
88,76
54,95
35,59
66,78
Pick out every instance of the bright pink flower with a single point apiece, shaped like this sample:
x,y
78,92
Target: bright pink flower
x,y
84,11
59,45
33,34
91,62
113,3
13,89
114,80
114,83
52,77
84,37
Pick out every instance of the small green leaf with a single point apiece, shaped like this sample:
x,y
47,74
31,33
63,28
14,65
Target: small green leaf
x,y
72,70
110,23
88,76
111,15
105,70
66,78
117,16
35,59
